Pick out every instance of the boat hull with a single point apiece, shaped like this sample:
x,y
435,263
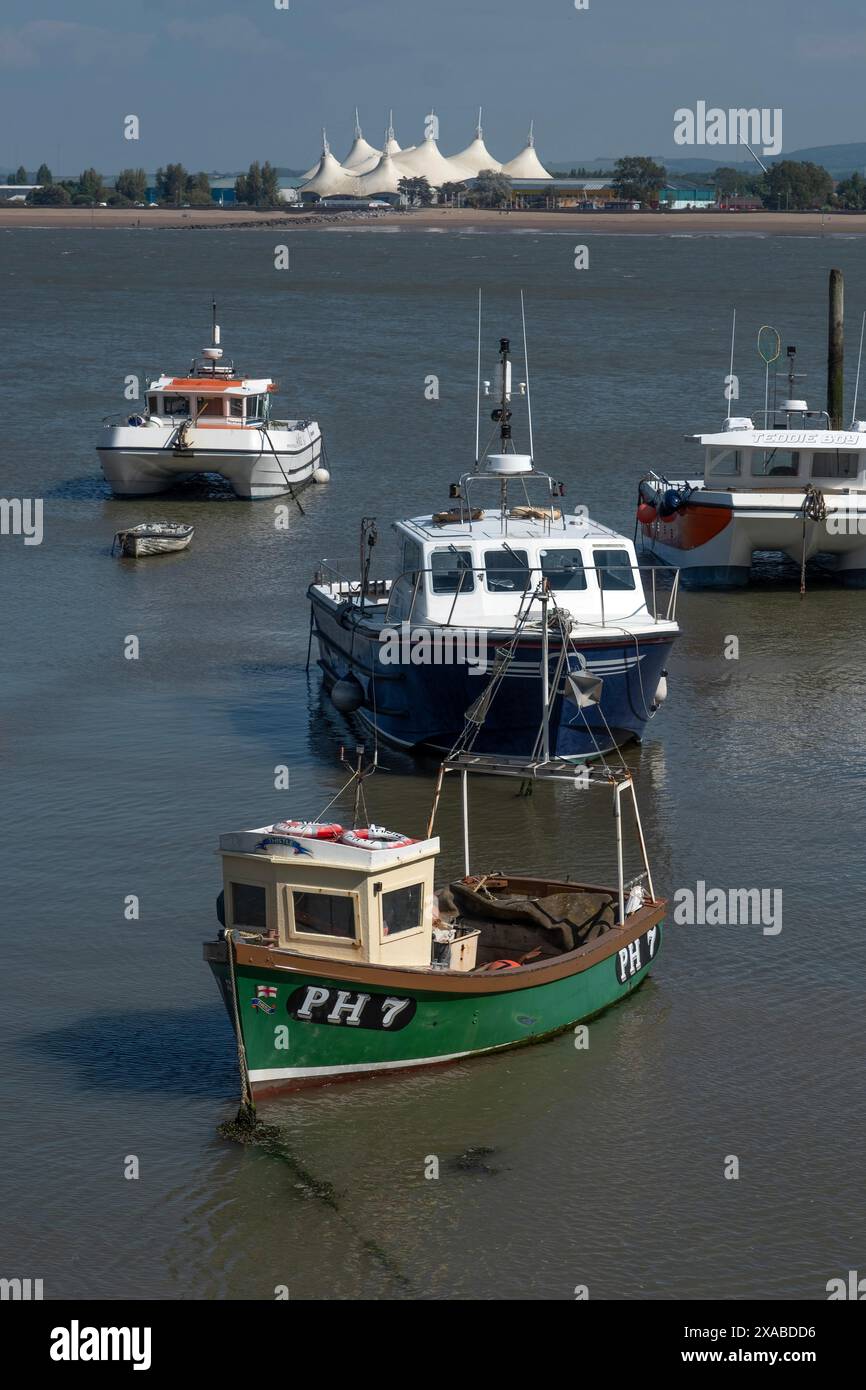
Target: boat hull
x,y
137,462
417,706
449,1016
713,536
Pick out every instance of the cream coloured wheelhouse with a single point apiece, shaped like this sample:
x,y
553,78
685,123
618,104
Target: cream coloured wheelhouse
x,y
213,420
338,958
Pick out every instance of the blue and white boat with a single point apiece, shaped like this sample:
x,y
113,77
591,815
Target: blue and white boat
x,y
559,593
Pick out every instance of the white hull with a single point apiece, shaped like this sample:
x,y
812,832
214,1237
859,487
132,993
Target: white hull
x,y
139,461
753,522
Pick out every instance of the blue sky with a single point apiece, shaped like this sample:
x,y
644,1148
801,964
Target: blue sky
x,y
216,85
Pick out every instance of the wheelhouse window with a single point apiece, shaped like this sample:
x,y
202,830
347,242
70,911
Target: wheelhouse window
x,y
835,465
563,569
614,569
175,405
778,463
410,561
451,572
255,407
401,909
507,571
153,404
249,905
236,407
725,463
324,914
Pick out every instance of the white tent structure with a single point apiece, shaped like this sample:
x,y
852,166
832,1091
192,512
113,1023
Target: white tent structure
x,y
361,156
475,157
391,146
526,165
330,177
427,161
384,178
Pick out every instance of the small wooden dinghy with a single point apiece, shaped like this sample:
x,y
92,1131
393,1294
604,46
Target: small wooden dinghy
x,y
152,538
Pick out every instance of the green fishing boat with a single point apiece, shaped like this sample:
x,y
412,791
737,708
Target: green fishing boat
x,y
339,959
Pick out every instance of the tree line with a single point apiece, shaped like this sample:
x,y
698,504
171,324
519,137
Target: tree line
x,y
175,187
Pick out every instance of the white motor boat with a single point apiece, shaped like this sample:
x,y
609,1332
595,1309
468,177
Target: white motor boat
x,y
499,571
795,486
213,420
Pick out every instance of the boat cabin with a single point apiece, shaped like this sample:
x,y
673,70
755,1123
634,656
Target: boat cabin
x,y
210,399
474,566
330,900
472,574
741,458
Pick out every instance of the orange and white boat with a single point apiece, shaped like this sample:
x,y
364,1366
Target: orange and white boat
x,y
797,486
213,420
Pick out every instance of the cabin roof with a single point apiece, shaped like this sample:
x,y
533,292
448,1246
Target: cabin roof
x,y
785,438
328,854
489,528
235,386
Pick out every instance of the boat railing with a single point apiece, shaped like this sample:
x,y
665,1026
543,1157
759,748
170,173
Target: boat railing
x,y
660,601
351,588
777,417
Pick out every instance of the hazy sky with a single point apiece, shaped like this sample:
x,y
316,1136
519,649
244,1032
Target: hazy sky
x,y
217,84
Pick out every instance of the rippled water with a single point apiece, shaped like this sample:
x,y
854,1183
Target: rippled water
x,y
606,1166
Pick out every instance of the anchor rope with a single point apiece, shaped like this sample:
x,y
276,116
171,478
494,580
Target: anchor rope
x,y
813,508
247,1103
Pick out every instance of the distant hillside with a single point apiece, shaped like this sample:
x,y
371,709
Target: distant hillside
x,y
838,160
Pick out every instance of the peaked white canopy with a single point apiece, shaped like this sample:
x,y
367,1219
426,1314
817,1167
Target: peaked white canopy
x,y
384,178
330,177
361,156
427,161
476,156
526,165
391,146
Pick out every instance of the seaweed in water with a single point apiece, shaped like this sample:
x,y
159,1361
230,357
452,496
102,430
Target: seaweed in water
x,y
247,1128
472,1160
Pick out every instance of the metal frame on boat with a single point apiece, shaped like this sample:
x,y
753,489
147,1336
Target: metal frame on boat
x,y
356,966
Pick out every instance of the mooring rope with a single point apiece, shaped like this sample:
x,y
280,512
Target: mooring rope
x,y
814,508
247,1112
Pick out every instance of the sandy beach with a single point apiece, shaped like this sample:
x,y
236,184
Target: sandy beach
x,y
443,219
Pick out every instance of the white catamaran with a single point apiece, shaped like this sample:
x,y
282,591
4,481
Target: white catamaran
x,y
214,420
796,486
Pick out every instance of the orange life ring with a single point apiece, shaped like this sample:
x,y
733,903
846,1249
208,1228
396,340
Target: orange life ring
x,y
309,829
376,838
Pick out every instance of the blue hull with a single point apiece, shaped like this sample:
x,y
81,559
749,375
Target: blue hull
x,y
416,706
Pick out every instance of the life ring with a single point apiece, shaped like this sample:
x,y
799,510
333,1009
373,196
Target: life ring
x,y
308,829
376,838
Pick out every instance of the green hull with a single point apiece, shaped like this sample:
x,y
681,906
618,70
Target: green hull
x,y
378,1031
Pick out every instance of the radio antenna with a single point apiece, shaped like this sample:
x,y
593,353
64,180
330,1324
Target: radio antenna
x,y
478,390
857,382
526,366
731,375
